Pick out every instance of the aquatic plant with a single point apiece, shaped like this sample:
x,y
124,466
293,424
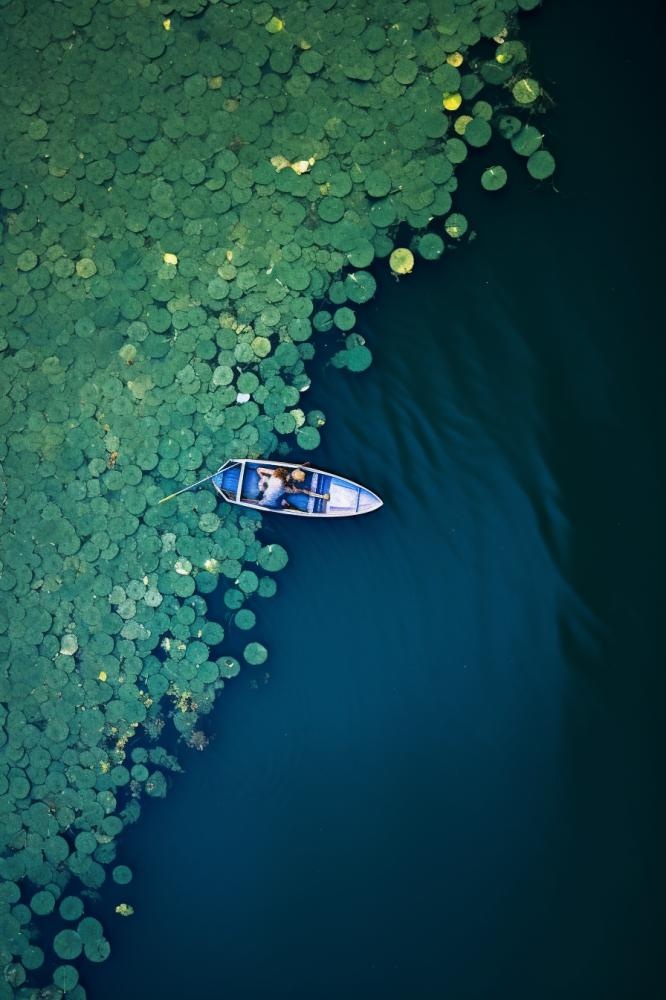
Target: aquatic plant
x,y
494,178
541,164
456,225
191,194
402,261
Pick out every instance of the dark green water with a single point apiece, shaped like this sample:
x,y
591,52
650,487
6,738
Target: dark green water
x,y
448,788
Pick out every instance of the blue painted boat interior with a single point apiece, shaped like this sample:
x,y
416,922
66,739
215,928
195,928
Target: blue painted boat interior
x,y
314,481
345,497
227,480
250,483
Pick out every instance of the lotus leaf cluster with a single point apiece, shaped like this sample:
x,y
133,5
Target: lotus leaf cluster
x,y
192,194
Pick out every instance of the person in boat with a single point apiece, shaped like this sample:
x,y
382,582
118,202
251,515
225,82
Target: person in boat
x,y
276,484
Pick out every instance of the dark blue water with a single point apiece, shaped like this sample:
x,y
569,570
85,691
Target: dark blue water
x,y
448,785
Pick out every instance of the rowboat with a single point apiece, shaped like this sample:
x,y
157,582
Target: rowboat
x,y
307,492
319,493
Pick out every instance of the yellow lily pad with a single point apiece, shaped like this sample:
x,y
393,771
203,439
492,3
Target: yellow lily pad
x,y
280,162
451,102
461,123
401,261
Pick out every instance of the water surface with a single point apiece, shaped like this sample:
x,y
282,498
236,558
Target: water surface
x,y
448,785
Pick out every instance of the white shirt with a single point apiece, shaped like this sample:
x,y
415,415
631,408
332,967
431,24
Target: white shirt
x,y
274,490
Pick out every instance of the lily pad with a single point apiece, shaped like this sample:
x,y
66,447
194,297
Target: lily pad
x,y
526,91
27,260
360,286
122,875
67,944
526,141
255,654
402,261
245,619
456,225
344,318
42,902
494,178
478,132
97,950
308,438
430,246
65,977
358,358
273,557
86,267
378,183
541,164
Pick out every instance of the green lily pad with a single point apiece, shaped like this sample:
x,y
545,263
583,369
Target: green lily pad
x,y
430,246
27,260
245,619
67,944
158,319
32,958
86,267
508,126
455,150
331,209
228,667
122,875
362,254
65,977
358,358
456,225
255,654
526,91
526,141
42,902
311,61
97,950
494,178
308,438
378,183
478,132
360,286
344,318
273,558
541,164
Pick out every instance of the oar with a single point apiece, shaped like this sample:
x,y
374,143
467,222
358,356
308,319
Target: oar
x,y
187,488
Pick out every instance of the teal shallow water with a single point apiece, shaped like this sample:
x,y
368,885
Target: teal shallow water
x,y
449,785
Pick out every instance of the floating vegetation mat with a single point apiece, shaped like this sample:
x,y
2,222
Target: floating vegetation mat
x,y
191,193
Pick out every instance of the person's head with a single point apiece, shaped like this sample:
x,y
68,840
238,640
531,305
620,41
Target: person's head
x,y
281,473
298,475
